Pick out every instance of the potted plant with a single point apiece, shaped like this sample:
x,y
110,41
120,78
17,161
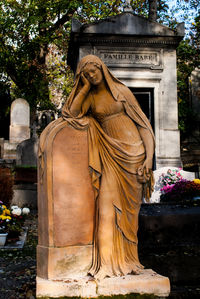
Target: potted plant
x,y
5,218
16,224
11,222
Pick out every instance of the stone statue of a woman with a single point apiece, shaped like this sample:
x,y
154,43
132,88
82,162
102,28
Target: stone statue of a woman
x,y
121,148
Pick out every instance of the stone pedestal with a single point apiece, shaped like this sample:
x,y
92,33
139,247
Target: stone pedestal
x,y
149,282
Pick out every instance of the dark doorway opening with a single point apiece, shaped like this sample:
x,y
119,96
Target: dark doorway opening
x,y
145,97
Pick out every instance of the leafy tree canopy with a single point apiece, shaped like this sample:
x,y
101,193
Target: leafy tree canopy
x,y
188,58
27,28
34,39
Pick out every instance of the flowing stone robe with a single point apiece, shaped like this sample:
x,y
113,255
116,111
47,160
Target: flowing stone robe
x,y
113,161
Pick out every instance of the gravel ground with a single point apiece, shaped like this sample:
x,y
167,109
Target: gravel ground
x,y
18,271
18,267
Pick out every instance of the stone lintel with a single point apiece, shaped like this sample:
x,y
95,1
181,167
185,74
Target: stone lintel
x,y
137,40
148,282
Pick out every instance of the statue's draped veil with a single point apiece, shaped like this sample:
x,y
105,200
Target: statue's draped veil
x,y
119,91
113,162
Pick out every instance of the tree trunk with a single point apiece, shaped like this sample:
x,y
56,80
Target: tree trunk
x,y
153,10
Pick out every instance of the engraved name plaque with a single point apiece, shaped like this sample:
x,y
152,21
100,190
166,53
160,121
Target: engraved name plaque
x,y
144,59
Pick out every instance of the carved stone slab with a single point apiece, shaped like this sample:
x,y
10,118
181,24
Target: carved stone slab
x,y
65,202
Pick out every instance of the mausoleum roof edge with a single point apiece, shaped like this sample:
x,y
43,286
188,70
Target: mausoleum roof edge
x,y
126,23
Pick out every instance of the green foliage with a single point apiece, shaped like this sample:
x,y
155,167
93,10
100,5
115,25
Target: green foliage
x,y
95,10
34,37
188,58
5,103
27,28
59,75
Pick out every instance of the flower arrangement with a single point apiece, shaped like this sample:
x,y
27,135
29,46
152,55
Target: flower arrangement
x,y
173,176
5,217
12,220
180,191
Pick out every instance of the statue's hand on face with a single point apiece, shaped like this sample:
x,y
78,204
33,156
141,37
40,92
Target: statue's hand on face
x,y
85,81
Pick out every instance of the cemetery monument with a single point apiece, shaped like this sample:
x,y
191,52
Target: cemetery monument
x,y
95,165
95,162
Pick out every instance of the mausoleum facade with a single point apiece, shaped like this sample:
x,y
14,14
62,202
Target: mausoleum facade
x,y
142,54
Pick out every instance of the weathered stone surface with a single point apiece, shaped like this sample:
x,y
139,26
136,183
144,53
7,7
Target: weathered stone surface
x,y
9,150
25,195
62,262
19,133
27,152
65,201
149,282
19,121
127,24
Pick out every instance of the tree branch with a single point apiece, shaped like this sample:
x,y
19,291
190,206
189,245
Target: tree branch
x,y
66,17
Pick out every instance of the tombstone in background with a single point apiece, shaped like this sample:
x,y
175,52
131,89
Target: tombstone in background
x,y
19,121
27,152
25,188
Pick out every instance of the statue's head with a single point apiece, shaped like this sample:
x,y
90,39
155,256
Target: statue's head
x,y
91,67
93,73
89,59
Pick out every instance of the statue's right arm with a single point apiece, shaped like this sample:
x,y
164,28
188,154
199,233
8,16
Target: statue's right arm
x,y
78,101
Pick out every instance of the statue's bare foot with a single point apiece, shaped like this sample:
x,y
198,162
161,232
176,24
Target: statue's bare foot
x,y
101,274
137,271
